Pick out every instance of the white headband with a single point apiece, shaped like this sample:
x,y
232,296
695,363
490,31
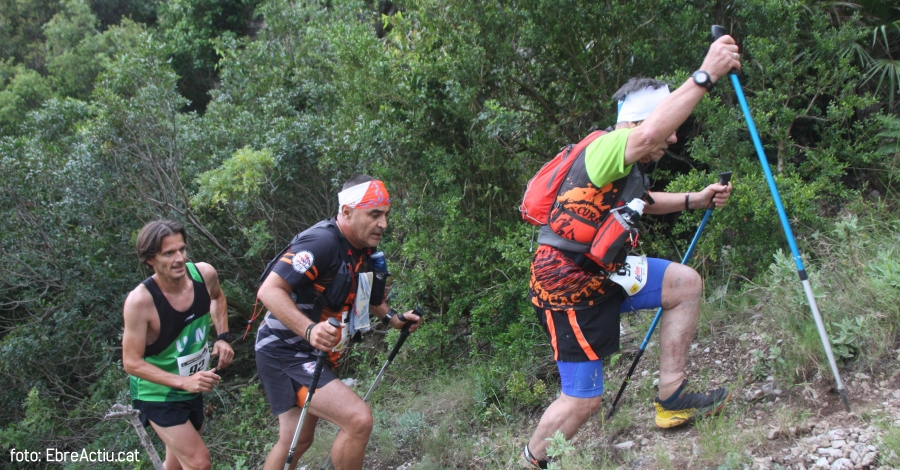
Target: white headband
x,y
638,105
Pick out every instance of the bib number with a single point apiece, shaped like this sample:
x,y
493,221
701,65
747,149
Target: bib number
x,y
193,363
633,275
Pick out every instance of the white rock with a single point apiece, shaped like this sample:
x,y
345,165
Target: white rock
x,y
350,382
869,459
830,452
645,442
862,376
836,432
822,463
854,456
645,373
838,443
655,382
773,434
624,445
841,464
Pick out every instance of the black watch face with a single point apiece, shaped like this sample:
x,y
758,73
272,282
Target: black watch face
x,y
226,336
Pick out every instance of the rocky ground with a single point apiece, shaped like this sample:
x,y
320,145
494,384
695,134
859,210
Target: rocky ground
x,y
806,427
767,424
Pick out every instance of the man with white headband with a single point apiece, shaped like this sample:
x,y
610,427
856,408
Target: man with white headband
x,y
574,287
327,271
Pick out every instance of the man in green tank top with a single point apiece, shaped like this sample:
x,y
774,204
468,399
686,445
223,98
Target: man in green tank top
x,y
165,345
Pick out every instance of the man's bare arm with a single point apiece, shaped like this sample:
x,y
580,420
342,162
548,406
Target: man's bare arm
x,y
275,294
666,203
218,309
675,109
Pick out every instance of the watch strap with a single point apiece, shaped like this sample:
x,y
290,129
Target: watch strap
x,y
386,319
226,336
708,84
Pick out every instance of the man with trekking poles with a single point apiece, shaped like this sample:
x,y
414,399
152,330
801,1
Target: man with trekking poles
x,y
581,277
165,350
319,293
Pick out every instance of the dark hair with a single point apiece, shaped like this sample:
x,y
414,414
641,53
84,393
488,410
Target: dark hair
x,y
149,239
358,179
636,84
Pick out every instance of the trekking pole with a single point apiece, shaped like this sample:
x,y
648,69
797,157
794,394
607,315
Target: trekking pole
x,y
717,32
724,178
320,364
404,333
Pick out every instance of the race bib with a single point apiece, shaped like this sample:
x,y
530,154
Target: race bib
x,y
359,318
633,275
193,363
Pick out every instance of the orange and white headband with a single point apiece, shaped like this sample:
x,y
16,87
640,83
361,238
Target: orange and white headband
x,y
364,195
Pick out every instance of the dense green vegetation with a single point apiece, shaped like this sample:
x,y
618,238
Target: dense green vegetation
x,y
241,118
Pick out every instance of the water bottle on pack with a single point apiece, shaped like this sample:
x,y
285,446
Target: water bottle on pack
x,y
619,228
379,265
632,211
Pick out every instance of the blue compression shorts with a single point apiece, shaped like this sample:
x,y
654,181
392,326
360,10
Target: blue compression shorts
x,y
585,379
650,297
581,379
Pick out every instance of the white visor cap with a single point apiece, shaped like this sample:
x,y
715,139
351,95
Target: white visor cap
x,y
638,105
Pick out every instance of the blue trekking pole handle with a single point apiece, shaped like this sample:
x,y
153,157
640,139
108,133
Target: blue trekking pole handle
x,y
717,32
724,178
313,384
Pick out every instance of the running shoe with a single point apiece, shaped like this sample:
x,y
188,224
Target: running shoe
x,y
685,406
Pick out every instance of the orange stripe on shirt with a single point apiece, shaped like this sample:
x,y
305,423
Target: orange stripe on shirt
x,y
552,328
583,342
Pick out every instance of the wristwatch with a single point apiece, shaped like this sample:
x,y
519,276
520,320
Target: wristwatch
x,y
386,319
226,336
703,79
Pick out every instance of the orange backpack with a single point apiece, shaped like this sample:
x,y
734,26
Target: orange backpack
x,y
542,189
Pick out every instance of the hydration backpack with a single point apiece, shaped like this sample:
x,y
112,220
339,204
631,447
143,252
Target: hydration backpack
x,y
542,189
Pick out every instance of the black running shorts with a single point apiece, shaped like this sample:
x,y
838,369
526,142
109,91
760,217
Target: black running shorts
x,y
171,413
282,377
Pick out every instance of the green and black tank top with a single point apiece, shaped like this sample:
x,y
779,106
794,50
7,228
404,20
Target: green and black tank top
x,y
182,347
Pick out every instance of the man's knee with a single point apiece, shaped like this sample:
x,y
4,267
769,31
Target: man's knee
x,y
197,460
593,404
682,282
584,408
360,423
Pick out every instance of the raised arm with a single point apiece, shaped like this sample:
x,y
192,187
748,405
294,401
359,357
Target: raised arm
x,y
672,111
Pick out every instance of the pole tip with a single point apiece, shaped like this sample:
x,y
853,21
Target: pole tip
x,y
843,393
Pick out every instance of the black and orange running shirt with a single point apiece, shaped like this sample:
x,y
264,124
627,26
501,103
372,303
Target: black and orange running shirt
x,y
310,265
590,190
